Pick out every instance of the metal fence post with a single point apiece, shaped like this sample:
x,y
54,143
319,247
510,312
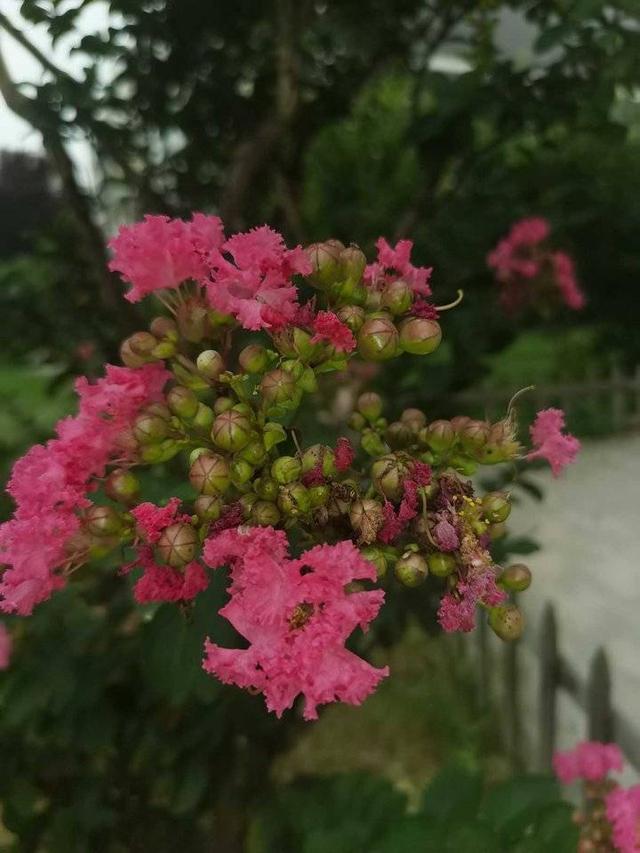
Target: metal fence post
x,y
547,709
598,697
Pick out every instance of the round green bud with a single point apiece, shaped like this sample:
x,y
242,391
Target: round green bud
x,y
438,435
507,621
265,514
376,556
353,261
373,300
209,474
129,357
266,488
387,475
178,545
459,423
411,569
397,297
203,419
464,465
378,339
516,578
183,402
496,507
207,507
370,405
222,404
277,386
149,428
241,472
317,455
441,564
414,419
122,486
247,502
253,358
372,444
164,327
319,495
286,469
163,451
325,262
231,431
398,435
210,364
142,344
102,521
474,435
254,453
357,422
352,316
293,500
420,336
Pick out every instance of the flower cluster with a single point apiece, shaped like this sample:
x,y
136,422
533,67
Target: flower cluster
x,y
610,820
391,503
530,273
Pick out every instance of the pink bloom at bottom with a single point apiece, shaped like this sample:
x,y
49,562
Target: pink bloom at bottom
x,y
296,616
163,583
589,760
5,646
549,441
623,813
327,326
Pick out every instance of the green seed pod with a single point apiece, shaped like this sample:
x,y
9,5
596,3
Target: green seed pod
x,y
438,435
142,344
397,297
516,578
231,431
182,402
210,364
420,336
178,545
203,420
207,507
352,316
496,507
411,569
293,500
507,621
378,339
253,358
102,521
278,386
254,453
370,405
353,261
241,472
266,488
122,486
376,556
149,428
265,514
286,469
325,262
441,564
222,404
319,495
398,435
210,474
387,475
164,328
316,455
414,419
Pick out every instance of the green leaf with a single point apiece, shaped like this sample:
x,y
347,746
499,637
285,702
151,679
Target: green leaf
x,y
453,791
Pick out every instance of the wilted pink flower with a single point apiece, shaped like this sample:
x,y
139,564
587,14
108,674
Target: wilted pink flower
x,y
623,813
550,443
5,646
445,534
163,583
328,327
457,611
344,454
394,263
161,253
589,760
296,616
250,278
151,520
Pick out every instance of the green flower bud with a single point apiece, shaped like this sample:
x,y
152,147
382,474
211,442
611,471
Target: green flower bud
x,y
387,475
231,431
464,465
286,469
265,514
302,346
420,336
497,531
164,327
217,319
397,297
283,341
316,455
352,316
203,419
192,320
178,545
149,428
142,344
439,436
372,444
376,556
164,349
474,435
102,521
155,454
222,404
294,367
373,300
516,578
459,423
352,262
378,339
441,564
398,435
293,500
122,486
129,358
210,364
207,507
414,419
319,495
182,402
254,453
325,262
241,472
496,507
357,422
507,621
253,358
308,381
247,502
370,405
266,488
411,569
210,474
278,386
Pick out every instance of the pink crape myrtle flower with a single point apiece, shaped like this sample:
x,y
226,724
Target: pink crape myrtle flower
x,y
151,519
296,616
623,813
51,483
5,646
566,281
395,262
165,584
328,327
589,760
160,253
457,612
549,441
344,454
250,277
